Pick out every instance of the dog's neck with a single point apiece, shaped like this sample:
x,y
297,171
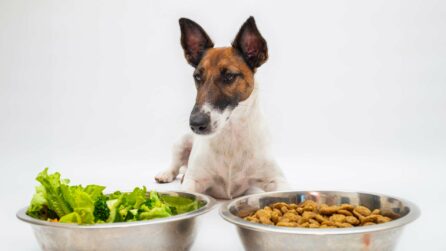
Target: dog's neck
x,y
245,124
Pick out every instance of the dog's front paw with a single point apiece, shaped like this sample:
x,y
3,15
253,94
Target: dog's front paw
x,y
165,177
191,185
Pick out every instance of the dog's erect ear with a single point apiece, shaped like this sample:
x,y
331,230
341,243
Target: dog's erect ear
x,y
194,40
250,43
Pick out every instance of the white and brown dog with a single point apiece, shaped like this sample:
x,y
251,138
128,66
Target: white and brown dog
x,y
228,152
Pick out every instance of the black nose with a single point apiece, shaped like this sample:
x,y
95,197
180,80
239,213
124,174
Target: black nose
x,y
199,122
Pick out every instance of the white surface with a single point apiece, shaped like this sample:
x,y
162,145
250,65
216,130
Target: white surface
x,y
355,94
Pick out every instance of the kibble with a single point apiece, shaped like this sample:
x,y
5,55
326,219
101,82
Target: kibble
x,y
309,214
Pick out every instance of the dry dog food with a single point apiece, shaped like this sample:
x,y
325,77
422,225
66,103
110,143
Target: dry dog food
x,y
309,214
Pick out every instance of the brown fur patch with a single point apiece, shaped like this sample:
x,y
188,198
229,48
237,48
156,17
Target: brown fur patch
x,y
212,89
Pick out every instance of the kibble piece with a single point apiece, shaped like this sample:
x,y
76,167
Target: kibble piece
x,y
275,217
263,213
284,209
369,224
370,218
291,217
284,219
362,210
337,218
313,221
279,205
265,220
328,210
347,207
277,211
252,219
328,223
352,220
309,205
293,206
293,211
344,212
320,218
376,211
358,215
382,219
303,220
264,216
308,214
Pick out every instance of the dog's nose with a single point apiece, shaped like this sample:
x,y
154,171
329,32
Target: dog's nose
x,y
199,122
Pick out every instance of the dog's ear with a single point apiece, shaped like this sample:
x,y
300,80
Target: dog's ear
x,y
194,40
250,43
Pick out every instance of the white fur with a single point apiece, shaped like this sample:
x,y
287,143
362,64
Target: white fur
x,y
230,161
218,118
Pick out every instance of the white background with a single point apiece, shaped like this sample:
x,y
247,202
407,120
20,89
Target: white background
x,y
354,93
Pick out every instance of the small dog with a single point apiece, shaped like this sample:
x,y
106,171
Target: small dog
x,y
228,152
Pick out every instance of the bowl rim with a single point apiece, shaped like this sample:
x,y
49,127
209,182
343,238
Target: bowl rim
x,y
210,204
414,213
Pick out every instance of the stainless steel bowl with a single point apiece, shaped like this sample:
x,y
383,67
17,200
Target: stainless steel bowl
x,y
172,233
380,237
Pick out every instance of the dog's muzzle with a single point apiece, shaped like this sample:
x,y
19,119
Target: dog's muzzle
x,y
200,122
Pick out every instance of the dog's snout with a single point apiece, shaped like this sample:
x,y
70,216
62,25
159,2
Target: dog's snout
x,y
200,122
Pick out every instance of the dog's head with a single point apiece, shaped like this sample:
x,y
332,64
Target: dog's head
x,y
224,77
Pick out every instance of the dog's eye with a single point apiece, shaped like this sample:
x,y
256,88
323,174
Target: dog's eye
x,y
197,77
229,77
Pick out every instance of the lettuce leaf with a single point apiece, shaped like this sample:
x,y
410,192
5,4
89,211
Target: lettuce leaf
x,y
95,191
157,212
136,198
38,208
71,204
180,204
84,206
114,205
73,217
154,208
53,192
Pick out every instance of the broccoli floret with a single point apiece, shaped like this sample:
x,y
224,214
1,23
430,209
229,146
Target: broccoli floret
x,y
148,203
101,211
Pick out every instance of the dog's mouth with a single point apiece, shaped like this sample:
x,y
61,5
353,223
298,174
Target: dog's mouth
x,y
208,121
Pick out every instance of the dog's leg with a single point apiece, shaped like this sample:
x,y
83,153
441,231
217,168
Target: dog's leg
x,y
278,183
194,186
272,178
180,157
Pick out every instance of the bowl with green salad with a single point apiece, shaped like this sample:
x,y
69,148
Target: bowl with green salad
x,y
77,217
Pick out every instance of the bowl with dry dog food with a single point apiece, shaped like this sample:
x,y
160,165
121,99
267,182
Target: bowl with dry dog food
x,y
319,220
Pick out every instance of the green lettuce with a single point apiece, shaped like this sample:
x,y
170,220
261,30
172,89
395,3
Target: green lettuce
x,y
180,204
51,184
56,200
38,208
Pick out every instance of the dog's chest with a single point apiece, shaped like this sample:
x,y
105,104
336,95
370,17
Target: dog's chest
x,y
232,157
235,148
230,173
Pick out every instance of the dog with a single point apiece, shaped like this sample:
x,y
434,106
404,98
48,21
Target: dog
x,y
227,154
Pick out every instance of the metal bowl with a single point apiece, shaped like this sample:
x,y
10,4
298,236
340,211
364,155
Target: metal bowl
x,y
380,237
172,233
